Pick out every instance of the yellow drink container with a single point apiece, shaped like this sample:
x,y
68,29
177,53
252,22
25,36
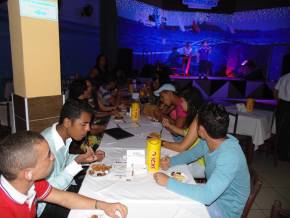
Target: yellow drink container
x,y
250,104
135,111
153,154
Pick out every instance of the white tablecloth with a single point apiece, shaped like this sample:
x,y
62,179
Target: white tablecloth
x,y
141,194
257,124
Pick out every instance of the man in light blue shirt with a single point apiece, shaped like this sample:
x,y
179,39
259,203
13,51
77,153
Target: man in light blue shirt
x,y
228,180
74,122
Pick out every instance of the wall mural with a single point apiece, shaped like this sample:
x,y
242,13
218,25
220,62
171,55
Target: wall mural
x,y
155,34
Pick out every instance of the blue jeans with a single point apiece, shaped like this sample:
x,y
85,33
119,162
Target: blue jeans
x,y
214,211
177,138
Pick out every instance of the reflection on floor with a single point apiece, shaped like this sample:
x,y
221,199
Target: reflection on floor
x,y
276,185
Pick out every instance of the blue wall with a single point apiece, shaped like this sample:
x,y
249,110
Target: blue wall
x,y
79,39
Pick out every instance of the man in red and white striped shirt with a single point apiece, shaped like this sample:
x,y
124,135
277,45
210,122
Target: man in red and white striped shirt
x,y
25,159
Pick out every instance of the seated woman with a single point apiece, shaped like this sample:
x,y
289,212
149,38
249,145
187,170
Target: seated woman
x,y
109,96
173,105
191,102
99,71
194,101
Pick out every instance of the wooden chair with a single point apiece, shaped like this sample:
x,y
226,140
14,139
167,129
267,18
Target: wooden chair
x,y
256,184
278,212
245,141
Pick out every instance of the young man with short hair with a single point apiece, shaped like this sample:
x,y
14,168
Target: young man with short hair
x,y
25,160
228,180
74,123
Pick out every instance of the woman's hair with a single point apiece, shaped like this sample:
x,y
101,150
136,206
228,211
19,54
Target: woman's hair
x,y
162,74
194,101
98,60
77,88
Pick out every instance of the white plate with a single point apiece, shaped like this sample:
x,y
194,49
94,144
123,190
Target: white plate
x,y
98,173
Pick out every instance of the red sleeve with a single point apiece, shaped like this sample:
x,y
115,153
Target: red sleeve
x,y
42,189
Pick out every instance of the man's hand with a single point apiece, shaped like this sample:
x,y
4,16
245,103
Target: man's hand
x,y
113,209
88,157
161,178
100,155
165,163
75,201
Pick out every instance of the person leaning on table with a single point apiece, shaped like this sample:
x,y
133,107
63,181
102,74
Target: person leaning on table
x,y
228,180
25,160
74,123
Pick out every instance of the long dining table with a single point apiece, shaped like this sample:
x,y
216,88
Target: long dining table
x,y
140,193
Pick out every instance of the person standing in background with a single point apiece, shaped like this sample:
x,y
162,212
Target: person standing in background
x,y
99,71
204,67
173,57
282,93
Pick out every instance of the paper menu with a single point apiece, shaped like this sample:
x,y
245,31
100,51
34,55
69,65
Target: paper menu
x,y
136,161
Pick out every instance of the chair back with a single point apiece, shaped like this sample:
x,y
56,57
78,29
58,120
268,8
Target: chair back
x,y
245,141
278,212
256,184
236,119
6,106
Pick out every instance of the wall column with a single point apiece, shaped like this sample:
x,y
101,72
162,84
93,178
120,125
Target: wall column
x,y
34,36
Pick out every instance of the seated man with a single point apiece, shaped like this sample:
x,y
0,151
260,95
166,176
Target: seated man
x,y
228,180
81,89
74,123
25,160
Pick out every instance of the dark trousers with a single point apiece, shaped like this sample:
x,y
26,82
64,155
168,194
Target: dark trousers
x,y
204,68
283,129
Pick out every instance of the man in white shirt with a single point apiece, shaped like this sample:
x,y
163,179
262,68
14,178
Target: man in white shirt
x,y
282,93
74,122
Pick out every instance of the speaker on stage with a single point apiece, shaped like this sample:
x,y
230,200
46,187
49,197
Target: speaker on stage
x,y
125,59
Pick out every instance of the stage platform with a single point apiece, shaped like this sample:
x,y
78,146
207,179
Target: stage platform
x,y
225,87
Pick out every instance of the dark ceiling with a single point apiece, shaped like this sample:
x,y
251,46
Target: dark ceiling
x,y
224,6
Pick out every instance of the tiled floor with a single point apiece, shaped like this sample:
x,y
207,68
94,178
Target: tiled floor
x,y
276,185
